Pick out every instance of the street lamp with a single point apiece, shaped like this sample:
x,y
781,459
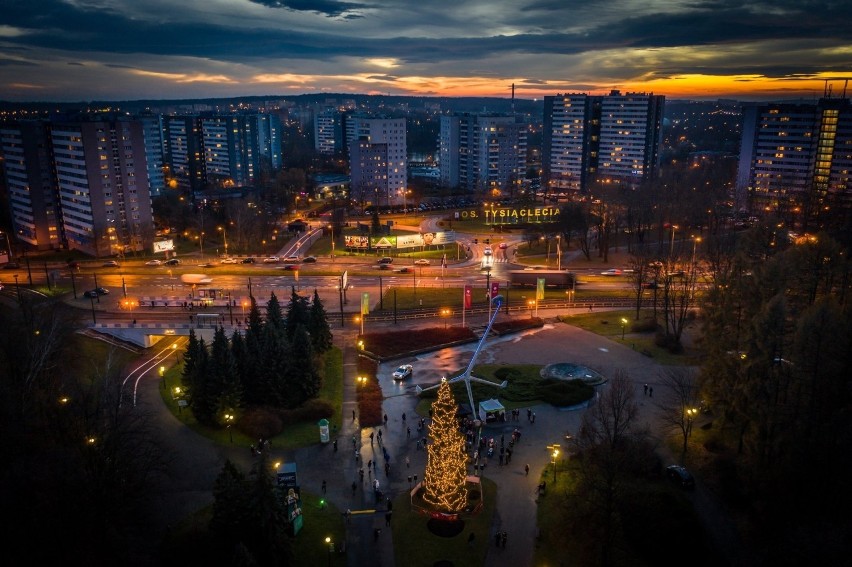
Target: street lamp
x,y
174,350
445,313
623,326
558,252
331,227
671,249
531,304
554,453
330,549
690,415
224,237
229,419
361,380
695,242
360,319
163,376
360,344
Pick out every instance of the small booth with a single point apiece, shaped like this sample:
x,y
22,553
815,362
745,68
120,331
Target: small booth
x,y
491,410
323,430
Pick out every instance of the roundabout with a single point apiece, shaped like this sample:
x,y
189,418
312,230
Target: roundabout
x,y
569,371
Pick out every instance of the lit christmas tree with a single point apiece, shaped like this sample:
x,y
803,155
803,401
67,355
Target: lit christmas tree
x,y
446,467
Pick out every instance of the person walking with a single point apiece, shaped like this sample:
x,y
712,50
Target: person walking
x,y
371,438
407,462
651,392
527,470
323,486
503,537
646,389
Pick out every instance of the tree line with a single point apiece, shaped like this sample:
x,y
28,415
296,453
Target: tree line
x,y
274,363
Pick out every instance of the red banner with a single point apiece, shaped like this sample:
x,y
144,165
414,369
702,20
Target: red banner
x,y
468,297
495,290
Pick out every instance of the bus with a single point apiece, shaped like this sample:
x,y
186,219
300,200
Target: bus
x,y
552,278
209,319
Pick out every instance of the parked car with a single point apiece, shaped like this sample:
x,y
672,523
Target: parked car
x,y
612,272
110,264
271,260
154,263
309,259
291,259
172,262
421,262
248,261
403,372
386,260
96,292
680,476
229,261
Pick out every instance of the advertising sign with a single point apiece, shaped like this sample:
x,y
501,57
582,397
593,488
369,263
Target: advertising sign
x,y
163,246
495,290
539,290
468,296
356,241
383,241
512,215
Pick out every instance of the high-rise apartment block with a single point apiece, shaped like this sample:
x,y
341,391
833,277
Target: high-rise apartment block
x,y
378,160
482,152
612,138
328,132
152,129
796,160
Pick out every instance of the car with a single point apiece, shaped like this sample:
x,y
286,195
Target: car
x,y
680,476
676,274
291,259
403,372
172,262
11,266
229,261
271,260
154,263
248,261
487,251
405,270
649,285
309,259
96,292
385,266
110,264
292,267
74,264
612,272
386,260
503,246
421,262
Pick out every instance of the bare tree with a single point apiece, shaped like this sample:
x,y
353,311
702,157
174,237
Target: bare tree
x,y
678,404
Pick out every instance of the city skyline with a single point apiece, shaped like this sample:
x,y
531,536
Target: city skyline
x,y
72,50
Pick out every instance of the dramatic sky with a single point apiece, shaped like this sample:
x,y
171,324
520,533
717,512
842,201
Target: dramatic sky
x,y
71,50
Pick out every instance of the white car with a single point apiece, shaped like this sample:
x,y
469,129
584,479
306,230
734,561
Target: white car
x,y
421,262
292,259
271,260
487,251
154,263
110,264
612,272
229,261
403,372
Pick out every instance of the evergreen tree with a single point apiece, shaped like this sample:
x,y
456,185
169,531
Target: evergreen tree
x,y
255,324
229,505
190,363
274,315
297,313
446,467
274,372
303,378
267,522
224,383
320,331
202,403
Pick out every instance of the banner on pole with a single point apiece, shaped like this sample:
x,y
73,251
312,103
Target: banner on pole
x,y
539,290
365,303
468,296
495,290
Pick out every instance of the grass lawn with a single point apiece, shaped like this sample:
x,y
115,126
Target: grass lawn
x,y
608,324
293,436
416,546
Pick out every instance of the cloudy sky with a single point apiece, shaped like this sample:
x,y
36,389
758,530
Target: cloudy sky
x,y
71,50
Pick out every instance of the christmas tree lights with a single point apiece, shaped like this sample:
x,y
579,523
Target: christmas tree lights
x,y
446,467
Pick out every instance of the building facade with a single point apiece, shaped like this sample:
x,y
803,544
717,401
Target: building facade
x,y
378,160
612,138
482,152
796,161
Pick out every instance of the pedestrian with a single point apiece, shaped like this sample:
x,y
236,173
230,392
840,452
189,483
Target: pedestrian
x,y
323,486
387,469
353,415
370,463
380,436
497,537
408,432
532,420
501,459
503,537
403,417
354,487
348,515
470,538
386,419
418,446
357,455
527,470
646,389
590,308
388,518
376,533
529,414
651,392
335,445
353,440
407,462
371,438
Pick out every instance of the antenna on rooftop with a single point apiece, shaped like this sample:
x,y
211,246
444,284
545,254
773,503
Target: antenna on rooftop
x,y
513,98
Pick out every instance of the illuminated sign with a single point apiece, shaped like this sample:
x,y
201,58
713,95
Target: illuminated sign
x,y
163,246
512,215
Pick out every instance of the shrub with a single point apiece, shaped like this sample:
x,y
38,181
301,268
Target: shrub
x,y
646,325
506,372
311,410
370,403
261,422
668,342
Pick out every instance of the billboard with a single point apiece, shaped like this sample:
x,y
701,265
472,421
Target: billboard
x,y
163,246
356,241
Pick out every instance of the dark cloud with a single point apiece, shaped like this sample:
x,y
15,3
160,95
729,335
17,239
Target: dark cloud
x,y
15,63
326,7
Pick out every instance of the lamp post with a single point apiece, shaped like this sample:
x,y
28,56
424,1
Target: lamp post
x,y
554,453
360,319
558,252
488,288
331,226
671,249
690,415
174,350
229,419
623,326
163,376
695,241
445,313
330,549
224,238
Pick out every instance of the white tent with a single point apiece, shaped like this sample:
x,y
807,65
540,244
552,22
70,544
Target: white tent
x,y
490,410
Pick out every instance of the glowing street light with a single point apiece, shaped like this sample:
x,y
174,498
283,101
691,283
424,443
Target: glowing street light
x,y
671,249
554,454
163,376
623,326
445,313
229,419
224,237
330,545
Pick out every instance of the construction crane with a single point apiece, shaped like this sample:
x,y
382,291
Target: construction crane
x,y
466,376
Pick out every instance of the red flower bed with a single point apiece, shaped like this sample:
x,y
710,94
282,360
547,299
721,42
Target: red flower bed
x,y
369,393
400,342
